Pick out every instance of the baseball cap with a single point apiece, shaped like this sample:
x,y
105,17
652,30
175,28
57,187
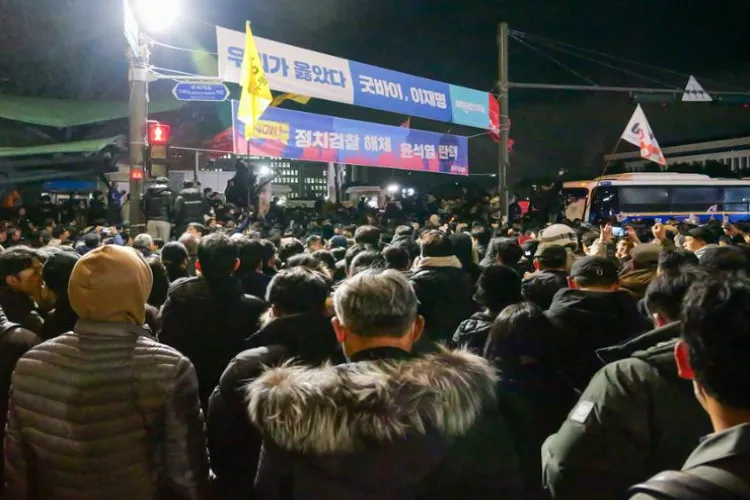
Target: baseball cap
x,y
594,271
558,235
704,233
553,256
646,255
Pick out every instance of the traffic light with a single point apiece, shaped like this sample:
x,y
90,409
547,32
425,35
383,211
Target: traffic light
x,y
158,133
136,173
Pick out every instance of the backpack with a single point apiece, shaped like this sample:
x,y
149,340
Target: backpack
x,y
682,485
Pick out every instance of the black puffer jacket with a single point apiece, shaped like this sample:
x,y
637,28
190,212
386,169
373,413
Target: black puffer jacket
x,y
234,442
209,325
387,425
104,412
157,203
444,295
189,206
588,321
542,286
14,342
472,333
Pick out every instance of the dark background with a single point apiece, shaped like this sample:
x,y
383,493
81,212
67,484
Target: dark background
x,y
75,49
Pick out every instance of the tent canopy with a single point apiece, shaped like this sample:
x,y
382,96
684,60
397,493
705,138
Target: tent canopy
x,y
77,148
63,113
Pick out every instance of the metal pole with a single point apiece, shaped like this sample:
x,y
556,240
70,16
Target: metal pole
x,y
504,118
138,117
600,88
197,165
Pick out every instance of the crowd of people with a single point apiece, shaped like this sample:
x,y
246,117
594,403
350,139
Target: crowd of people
x,y
452,358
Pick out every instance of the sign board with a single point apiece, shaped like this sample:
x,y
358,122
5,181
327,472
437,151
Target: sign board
x,y
284,133
201,91
131,26
301,71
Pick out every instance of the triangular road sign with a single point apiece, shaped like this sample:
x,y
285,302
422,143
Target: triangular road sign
x,y
694,92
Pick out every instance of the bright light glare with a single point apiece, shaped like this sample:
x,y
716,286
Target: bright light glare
x,y
156,15
265,171
410,192
372,203
393,188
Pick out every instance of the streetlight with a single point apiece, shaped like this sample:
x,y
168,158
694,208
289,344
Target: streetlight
x,y
157,15
265,171
392,188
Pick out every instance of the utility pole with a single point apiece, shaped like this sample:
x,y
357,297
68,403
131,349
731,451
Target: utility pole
x,y
138,118
504,118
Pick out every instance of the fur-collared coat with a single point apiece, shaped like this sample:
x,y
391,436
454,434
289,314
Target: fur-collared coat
x,y
386,425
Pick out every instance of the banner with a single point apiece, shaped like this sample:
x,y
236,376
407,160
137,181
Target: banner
x,y
301,71
283,133
638,133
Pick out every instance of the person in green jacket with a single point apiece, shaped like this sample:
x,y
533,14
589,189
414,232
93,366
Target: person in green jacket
x,y
636,417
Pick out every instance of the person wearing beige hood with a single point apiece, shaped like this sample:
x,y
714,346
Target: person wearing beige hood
x,y
105,411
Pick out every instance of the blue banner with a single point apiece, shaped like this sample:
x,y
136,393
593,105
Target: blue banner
x,y
305,72
283,133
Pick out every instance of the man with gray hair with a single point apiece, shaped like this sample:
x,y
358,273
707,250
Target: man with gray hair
x,y
144,243
389,423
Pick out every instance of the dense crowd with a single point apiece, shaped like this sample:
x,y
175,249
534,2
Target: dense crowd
x,y
235,356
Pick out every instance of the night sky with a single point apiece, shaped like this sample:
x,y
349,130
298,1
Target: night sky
x,y
454,41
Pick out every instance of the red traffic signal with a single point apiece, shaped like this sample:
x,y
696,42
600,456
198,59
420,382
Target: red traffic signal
x,y
136,173
158,133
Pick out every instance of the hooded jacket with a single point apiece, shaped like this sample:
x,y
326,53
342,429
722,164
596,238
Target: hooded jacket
x,y
635,282
105,411
444,292
636,418
541,287
235,443
591,320
157,203
209,325
386,425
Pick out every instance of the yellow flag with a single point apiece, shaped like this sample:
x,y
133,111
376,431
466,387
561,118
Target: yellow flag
x,y
256,94
289,97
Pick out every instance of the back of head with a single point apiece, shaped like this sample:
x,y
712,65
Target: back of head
x,y
376,303
367,235
160,285
298,290
143,241
308,261
666,292
728,259
251,255
521,332
111,284
217,256
326,258
507,251
716,329
705,234
463,248
57,270
673,260
190,242
435,243
594,272
396,258
404,231
368,259
173,254
289,249
497,287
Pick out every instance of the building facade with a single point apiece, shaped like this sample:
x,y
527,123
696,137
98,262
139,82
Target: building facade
x,y
734,153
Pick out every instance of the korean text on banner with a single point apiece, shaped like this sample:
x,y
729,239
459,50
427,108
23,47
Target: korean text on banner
x,y
301,71
284,133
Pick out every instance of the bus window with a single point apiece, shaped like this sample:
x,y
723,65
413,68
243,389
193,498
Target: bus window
x,y
643,199
604,204
737,199
574,203
695,198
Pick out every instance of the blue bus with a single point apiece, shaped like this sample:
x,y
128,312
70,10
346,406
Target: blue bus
x,y
637,196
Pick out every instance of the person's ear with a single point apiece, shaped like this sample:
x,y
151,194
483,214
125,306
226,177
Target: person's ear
x,y
12,281
236,265
537,265
572,283
659,320
418,328
339,329
682,358
198,267
615,286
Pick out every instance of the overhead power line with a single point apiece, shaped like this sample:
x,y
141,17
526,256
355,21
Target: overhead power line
x,y
183,49
549,57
